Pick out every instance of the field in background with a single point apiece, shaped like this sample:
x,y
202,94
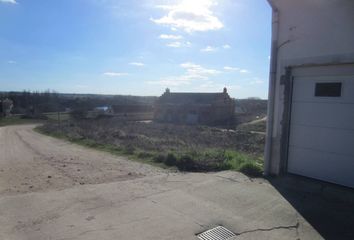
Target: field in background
x,y
13,120
21,119
189,148
256,126
61,116
248,110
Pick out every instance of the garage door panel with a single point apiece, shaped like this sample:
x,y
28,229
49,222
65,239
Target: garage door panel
x,y
323,114
323,166
304,89
335,141
321,141
324,71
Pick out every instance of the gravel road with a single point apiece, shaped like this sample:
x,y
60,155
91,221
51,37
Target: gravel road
x,y
31,162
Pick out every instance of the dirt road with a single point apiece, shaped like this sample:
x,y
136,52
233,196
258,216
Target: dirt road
x,y
31,162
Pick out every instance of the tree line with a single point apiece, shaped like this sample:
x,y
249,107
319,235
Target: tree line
x,y
51,101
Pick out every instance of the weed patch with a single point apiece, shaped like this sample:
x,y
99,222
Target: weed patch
x,y
188,148
251,169
170,160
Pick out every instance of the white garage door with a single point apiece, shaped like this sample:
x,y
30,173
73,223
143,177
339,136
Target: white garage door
x,y
321,143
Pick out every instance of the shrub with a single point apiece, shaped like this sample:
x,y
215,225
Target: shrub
x,y
34,116
144,155
225,165
129,150
159,158
87,142
78,114
251,169
186,163
171,160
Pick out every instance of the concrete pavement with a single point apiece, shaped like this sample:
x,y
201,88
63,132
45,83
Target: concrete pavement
x,y
168,206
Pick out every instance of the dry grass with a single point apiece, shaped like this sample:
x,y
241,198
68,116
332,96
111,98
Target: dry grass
x,y
190,148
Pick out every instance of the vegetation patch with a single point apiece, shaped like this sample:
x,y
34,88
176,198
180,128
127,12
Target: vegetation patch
x,y
16,120
254,126
252,169
187,148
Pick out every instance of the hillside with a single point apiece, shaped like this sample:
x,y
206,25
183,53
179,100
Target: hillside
x,y
250,109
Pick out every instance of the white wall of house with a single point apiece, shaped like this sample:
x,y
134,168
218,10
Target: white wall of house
x,y
309,32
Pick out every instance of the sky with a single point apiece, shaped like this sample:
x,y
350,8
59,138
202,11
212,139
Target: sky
x,y
135,47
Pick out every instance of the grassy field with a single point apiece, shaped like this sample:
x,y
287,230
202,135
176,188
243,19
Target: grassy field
x,y
19,119
258,125
189,148
14,120
63,116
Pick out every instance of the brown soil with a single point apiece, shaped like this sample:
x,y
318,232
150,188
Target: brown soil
x,y
160,137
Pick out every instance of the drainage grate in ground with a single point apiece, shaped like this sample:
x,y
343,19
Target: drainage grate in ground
x,y
218,233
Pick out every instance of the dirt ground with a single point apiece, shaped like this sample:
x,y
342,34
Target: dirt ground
x,y
159,136
30,162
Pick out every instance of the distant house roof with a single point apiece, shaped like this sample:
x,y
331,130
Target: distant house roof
x,y
190,98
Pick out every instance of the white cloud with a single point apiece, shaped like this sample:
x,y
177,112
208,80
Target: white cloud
x,y
114,74
11,62
209,49
170,37
174,44
228,68
214,49
235,69
195,71
190,16
257,81
138,64
8,1
178,44
192,73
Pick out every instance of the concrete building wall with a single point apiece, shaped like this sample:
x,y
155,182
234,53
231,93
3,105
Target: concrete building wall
x,y
306,32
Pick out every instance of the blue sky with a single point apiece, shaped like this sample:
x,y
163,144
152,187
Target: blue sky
x,y
136,47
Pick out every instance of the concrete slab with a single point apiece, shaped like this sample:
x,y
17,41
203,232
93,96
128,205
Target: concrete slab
x,y
167,206
328,208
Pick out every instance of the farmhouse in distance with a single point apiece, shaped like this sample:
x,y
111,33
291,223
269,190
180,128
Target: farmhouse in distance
x,y
195,108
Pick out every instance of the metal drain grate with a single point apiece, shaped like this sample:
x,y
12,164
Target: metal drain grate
x,y
218,233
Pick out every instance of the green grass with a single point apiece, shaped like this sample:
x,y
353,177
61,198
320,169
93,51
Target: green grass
x,y
255,126
54,116
234,159
15,120
192,160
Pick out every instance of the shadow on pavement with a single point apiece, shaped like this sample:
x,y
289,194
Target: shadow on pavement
x,y
327,207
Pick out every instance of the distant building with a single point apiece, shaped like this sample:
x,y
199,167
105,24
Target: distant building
x,y
195,108
6,106
101,111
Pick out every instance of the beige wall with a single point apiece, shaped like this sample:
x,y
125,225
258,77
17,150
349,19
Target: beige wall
x,y
310,32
